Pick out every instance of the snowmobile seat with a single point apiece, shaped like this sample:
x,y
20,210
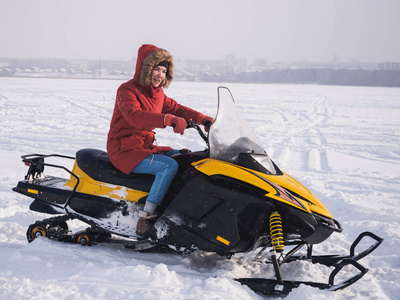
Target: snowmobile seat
x,y
98,166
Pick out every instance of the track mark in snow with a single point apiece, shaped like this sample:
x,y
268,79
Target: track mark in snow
x,y
307,139
3,98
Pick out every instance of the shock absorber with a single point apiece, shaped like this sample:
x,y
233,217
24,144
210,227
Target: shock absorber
x,y
275,225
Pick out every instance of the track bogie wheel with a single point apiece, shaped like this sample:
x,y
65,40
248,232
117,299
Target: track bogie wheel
x,y
84,239
35,231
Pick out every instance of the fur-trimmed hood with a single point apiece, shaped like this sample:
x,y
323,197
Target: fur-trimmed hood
x,y
149,56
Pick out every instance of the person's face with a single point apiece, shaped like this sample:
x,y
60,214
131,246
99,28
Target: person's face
x,y
158,75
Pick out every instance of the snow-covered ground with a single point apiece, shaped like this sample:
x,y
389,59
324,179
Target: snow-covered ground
x,y
340,142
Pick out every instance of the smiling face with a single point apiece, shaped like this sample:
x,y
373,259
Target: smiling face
x,y
158,75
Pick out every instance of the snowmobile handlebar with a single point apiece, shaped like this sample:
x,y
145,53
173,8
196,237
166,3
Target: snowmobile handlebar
x,y
193,124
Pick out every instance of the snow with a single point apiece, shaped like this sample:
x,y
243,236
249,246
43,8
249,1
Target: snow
x,y
342,143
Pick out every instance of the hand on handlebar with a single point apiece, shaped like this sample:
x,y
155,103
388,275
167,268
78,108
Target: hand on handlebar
x,y
178,124
206,121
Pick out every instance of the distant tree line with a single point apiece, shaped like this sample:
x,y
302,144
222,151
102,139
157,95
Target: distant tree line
x,y
354,77
388,74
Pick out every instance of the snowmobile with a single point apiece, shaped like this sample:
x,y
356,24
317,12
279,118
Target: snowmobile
x,y
229,198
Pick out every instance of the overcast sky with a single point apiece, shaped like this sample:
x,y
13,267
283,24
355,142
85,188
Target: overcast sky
x,y
313,30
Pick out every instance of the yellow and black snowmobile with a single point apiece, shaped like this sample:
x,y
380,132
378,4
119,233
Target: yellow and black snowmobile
x,y
229,198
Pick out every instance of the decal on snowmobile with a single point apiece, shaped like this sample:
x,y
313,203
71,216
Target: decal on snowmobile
x,y
33,191
88,185
222,240
212,167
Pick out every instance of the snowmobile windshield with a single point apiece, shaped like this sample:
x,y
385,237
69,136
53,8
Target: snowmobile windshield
x,y
231,138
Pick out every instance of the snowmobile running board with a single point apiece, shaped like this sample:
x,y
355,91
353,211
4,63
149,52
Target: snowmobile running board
x,y
274,287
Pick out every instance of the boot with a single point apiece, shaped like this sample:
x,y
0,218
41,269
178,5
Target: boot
x,y
145,222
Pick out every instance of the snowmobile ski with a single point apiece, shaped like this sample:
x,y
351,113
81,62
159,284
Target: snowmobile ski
x,y
280,287
274,287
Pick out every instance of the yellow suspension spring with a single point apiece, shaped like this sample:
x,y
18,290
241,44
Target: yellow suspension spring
x,y
275,225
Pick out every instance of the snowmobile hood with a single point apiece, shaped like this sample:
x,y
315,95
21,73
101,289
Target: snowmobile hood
x,y
300,192
283,188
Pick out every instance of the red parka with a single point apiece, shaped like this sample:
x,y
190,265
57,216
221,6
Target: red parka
x,y
139,109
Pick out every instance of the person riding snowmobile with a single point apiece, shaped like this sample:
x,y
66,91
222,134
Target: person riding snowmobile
x,y
140,107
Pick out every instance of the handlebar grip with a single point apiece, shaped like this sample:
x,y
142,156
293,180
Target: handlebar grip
x,y
207,124
189,124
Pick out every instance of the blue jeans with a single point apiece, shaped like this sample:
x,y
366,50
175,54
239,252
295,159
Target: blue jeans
x,y
164,168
